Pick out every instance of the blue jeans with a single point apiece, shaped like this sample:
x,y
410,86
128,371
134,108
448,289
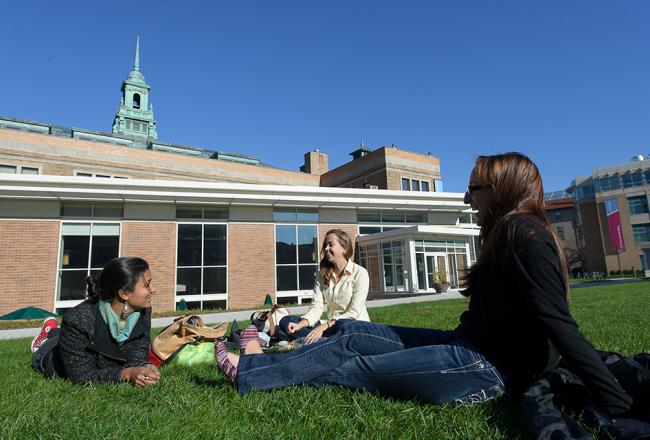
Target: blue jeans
x,y
434,366
303,332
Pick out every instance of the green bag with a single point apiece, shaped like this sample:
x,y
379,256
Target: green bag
x,y
193,354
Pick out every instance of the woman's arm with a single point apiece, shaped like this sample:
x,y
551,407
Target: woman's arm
x,y
317,305
357,305
539,278
137,350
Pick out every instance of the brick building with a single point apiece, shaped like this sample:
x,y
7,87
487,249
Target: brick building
x,y
613,216
561,212
220,230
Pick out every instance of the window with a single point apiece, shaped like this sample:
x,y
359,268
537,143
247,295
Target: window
x,y
414,184
393,266
608,183
437,185
646,173
641,232
136,100
560,232
85,248
632,179
296,257
8,169
92,210
28,170
189,212
372,221
557,215
103,176
17,169
465,218
638,204
295,215
201,272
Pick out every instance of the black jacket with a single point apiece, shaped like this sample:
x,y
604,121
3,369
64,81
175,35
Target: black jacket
x,y
560,388
87,352
518,316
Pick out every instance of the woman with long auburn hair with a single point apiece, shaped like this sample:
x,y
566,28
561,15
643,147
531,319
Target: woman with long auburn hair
x,y
341,285
516,327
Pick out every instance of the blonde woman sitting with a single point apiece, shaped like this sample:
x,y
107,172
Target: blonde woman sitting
x,y
341,285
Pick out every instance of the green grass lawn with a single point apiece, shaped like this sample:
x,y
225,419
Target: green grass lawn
x,y
200,403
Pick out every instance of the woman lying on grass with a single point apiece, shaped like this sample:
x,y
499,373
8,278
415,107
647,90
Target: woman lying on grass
x,y
516,327
106,337
341,284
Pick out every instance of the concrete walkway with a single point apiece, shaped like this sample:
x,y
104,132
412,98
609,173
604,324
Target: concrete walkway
x,y
243,315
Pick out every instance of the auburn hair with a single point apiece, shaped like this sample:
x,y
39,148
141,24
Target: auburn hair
x,y
517,190
325,265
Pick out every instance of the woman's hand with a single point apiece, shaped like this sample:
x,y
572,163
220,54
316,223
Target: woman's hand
x,y
295,326
142,376
316,333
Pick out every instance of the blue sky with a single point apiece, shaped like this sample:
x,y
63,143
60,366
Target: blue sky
x,y
566,82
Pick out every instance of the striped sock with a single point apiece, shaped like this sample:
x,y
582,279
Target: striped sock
x,y
247,335
224,363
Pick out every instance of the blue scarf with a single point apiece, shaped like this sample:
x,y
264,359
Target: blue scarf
x,y
120,328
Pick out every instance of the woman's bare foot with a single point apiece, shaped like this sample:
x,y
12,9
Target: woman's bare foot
x,y
253,347
234,359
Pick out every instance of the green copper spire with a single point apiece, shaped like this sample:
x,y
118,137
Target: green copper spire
x,y
134,116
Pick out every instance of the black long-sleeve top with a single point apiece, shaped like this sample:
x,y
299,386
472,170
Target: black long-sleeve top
x,y
519,318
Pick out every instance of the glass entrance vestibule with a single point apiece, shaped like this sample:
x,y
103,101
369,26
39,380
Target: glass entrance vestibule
x,y
409,261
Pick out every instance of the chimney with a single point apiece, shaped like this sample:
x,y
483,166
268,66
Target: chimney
x,y
315,163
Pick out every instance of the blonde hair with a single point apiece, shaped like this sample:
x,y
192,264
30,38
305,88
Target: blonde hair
x,y
325,265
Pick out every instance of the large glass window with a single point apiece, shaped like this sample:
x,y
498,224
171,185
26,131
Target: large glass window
x,y
638,204
393,266
202,263
641,232
296,257
85,248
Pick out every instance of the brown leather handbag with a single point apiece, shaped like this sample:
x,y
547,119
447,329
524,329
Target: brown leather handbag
x,y
187,329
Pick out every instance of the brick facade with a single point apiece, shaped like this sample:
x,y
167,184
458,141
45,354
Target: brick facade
x,y
28,258
62,156
156,243
251,264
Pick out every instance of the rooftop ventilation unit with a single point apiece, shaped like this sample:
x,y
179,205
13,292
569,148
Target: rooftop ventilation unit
x,y
637,158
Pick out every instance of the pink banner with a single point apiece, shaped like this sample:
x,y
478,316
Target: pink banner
x,y
614,225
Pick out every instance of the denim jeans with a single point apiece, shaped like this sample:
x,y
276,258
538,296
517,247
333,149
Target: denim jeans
x,y
434,366
303,332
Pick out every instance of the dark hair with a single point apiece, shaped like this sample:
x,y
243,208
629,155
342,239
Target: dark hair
x,y
517,190
325,265
118,274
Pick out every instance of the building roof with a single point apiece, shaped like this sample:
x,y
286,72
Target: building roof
x,y
66,188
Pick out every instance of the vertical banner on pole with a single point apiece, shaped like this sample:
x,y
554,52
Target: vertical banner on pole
x,y
614,225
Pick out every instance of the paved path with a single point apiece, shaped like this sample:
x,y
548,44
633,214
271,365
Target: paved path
x,y
243,315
